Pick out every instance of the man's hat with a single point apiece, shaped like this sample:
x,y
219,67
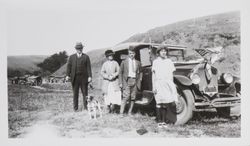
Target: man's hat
x,y
79,45
109,53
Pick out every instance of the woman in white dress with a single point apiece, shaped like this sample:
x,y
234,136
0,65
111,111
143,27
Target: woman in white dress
x,y
110,86
164,88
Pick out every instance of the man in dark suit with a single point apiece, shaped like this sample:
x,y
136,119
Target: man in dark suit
x,y
129,80
79,72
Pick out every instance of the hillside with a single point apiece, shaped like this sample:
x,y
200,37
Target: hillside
x,y
197,32
209,31
26,63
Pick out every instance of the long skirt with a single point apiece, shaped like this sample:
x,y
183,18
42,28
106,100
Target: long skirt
x,y
113,96
166,91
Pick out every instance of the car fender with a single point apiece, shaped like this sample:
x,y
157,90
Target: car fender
x,y
182,80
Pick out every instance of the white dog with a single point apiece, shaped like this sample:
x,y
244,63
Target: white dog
x,y
94,107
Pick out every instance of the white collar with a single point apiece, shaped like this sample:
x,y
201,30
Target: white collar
x,y
131,59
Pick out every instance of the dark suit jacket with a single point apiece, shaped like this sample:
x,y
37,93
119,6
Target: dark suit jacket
x,y
123,75
71,67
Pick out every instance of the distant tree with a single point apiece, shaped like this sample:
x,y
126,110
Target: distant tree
x,y
45,73
14,73
17,72
37,73
54,62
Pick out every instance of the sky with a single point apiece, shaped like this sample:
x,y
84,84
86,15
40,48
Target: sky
x,y
45,27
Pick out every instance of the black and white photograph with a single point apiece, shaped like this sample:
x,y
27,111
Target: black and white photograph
x,y
123,69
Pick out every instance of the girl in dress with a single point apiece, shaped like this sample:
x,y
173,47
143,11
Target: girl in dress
x,y
110,87
164,88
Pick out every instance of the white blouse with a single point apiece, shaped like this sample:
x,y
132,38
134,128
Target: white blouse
x,y
163,69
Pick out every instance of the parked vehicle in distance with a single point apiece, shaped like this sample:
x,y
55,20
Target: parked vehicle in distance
x,y
34,80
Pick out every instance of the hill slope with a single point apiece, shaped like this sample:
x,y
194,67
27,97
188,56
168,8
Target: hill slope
x,y
197,32
24,63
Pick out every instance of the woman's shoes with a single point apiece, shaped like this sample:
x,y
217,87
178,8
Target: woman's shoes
x,y
162,125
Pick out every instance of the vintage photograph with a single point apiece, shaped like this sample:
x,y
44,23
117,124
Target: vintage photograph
x,y
127,69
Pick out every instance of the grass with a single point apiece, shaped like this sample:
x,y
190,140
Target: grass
x,y
29,105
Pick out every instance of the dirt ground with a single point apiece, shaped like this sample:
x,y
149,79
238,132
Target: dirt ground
x,y
46,111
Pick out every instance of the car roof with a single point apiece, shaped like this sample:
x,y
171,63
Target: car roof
x,y
123,46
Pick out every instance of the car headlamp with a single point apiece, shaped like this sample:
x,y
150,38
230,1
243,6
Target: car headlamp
x,y
227,78
195,78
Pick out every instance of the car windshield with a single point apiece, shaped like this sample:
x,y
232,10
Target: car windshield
x,y
148,55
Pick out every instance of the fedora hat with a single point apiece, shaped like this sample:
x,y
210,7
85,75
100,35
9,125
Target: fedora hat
x,y
78,45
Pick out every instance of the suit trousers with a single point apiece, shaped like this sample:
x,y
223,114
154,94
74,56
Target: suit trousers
x,y
129,94
83,85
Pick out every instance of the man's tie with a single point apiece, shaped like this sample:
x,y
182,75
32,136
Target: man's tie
x,y
133,65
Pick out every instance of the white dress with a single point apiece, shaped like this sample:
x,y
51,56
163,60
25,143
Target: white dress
x,y
163,82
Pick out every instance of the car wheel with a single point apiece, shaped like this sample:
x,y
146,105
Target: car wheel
x,y
184,106
224,112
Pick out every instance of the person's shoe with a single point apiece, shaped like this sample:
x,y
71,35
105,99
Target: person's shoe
x,y
164,125
130,114
122,115
159,125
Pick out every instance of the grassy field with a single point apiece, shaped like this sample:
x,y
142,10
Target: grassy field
x,y
31,108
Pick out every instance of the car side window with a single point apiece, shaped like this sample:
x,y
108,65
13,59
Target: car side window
x,y
145,57
175,55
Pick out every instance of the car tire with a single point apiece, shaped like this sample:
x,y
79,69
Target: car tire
x,y
184,106
224,112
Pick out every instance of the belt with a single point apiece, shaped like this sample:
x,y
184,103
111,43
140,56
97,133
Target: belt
x,y
131,77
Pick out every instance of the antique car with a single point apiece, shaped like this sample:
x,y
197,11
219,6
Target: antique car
x,y
200,85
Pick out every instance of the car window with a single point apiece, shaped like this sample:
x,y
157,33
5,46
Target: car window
x,y
175,55
175,52
123,56
145,57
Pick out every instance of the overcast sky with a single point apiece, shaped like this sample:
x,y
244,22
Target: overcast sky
x,y
46,27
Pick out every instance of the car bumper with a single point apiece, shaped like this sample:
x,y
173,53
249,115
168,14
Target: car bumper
x,y
225,102
221,102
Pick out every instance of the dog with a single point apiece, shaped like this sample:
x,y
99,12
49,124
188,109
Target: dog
x,y
94,107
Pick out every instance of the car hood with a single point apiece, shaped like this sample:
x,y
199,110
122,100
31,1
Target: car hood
x,y
185,68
